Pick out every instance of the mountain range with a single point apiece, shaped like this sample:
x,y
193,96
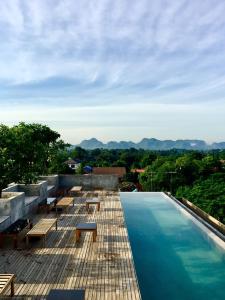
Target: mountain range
x,y
152,144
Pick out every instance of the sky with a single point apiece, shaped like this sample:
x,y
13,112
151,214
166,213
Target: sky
x,y
115,70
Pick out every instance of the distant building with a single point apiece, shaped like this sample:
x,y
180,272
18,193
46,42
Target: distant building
x,y
73,164
137,170
119,171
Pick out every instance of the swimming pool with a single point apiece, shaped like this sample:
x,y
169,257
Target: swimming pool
x,y
175,256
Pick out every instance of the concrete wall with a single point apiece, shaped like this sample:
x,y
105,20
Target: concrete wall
x,y
51,179
11,188
12,204
90,182
37,189
5,222
19,200
53,183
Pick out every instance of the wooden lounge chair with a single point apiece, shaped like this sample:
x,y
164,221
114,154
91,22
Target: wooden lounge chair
x,y
66,295
41,229
7,280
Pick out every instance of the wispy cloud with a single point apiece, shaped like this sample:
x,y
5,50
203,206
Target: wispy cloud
x,y
87,53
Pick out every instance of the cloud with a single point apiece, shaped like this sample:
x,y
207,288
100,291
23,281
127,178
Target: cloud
x,y
85,53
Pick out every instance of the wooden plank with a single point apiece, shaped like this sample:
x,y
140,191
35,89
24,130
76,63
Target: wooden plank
x,y
7,280
42,227
105,268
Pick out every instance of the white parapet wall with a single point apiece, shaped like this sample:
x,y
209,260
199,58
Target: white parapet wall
x,y
19,200
34,189
51,179
53,182
12,204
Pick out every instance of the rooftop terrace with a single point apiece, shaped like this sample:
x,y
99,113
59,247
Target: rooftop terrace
x,y
104,269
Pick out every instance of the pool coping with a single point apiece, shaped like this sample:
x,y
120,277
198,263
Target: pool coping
x,y
208,228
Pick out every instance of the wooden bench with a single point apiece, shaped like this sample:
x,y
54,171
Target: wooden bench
x,y
7,280
92,227
64,203
92,201
41,229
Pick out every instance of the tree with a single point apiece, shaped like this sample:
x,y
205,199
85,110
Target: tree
x,y
31,150
58,154
209,165
6,161
127,186
79,153
6,169
27,151
208,194
148,159
187,169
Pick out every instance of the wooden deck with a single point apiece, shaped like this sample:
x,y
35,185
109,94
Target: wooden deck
x,y
105,268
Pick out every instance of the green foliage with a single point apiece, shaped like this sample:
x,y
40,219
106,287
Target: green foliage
x,y
6,158
27,151
130,177
56,162
6,169
148,159
80,170
126,186
78,153
39,144
208,194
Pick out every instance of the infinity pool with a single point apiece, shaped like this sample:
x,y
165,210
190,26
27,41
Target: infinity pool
x,y
176,257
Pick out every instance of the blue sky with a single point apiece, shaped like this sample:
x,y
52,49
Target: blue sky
x,y
115,70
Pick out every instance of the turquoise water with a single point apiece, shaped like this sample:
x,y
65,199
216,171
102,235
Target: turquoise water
x,y
174,257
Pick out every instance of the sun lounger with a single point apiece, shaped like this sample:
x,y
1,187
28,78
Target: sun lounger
x,y
7,280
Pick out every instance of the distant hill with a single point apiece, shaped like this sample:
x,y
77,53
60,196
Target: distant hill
x,y
152,144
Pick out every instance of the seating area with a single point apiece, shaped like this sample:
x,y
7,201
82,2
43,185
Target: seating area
x,y
67,262
15,232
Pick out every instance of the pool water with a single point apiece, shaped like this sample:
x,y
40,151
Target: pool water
x,y
174,256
